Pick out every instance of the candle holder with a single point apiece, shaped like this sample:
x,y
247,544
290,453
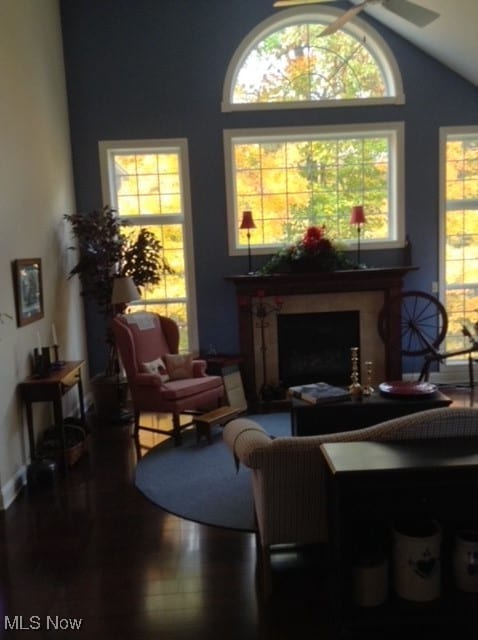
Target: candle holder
x,y
355,388
41,362
57,363
368,389
261,310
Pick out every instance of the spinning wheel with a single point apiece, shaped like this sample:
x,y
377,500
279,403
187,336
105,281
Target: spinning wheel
x,y
423,322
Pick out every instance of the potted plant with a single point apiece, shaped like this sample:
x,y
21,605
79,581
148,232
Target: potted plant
x,y
107,250
108,247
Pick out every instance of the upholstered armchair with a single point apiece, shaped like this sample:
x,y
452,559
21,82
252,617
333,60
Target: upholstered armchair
x,y
289,474
159,379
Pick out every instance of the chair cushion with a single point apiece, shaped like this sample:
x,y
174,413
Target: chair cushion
x,y
179,365
179,389
157,367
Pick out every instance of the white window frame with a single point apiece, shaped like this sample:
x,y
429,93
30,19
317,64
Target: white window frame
x,y
395,132
356,27
107,149
445,133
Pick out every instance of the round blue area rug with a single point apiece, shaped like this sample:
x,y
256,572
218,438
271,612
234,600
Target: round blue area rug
x,y
198,481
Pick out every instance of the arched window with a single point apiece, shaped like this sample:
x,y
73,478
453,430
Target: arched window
x,y
296,176
285,63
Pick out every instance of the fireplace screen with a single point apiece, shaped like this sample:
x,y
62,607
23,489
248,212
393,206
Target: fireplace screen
x,y
315,347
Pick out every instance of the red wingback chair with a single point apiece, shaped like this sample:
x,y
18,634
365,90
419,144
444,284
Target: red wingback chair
x,y
145,342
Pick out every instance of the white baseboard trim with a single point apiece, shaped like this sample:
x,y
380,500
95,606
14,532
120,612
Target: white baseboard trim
x,y
12,488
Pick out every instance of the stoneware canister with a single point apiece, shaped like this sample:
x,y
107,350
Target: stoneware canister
x,y
465,560
370,580
416,560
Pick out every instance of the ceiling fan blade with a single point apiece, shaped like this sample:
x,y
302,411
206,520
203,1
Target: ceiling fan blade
x,y
292,3
348,15
410,11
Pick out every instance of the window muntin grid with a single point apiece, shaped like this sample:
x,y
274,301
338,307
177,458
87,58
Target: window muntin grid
x,y
304,177
460,233
148,185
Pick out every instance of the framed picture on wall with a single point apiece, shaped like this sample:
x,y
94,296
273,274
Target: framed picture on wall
x,y
28,288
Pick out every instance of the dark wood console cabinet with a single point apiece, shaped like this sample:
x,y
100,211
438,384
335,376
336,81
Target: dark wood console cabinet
x,y
373,484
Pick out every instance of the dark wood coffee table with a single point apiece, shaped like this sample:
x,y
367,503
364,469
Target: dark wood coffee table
x,y
308,419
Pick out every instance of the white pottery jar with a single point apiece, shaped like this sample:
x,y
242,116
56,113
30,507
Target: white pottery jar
x,y
416,560
370,580
465,560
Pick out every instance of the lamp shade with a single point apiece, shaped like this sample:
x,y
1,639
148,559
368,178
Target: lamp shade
x,y
357,215
124,290
247,220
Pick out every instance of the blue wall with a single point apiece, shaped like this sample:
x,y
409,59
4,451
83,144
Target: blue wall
x,y
155,69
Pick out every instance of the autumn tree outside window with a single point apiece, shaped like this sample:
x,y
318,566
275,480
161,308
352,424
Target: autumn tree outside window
x,y
285,63
296,176
147,183
459,232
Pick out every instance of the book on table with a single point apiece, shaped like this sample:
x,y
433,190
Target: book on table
x,y
319,392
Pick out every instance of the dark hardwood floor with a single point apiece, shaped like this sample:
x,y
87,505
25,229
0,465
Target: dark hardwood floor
x,y
90,550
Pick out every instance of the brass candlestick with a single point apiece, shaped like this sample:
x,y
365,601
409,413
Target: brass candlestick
x,y
368,389
355,388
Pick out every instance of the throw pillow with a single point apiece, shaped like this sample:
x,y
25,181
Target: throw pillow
x,y
179,365
157,367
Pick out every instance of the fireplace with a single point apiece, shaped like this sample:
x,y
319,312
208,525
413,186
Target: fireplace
x,y
316,347
363,292
365,306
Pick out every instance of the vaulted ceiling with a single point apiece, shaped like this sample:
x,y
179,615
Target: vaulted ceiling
x,y
452,38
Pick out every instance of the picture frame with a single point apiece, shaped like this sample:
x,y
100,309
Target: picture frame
x,y
28,290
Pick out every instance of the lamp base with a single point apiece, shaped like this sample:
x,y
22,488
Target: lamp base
x,y
249,255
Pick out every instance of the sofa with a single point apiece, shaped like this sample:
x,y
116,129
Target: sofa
x,y
289,474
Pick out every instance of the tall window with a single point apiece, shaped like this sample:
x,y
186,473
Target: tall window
x,y
294,178
285,62
147,182
459,230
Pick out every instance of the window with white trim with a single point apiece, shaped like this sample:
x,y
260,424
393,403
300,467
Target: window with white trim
x,y
459,231
285,63
147,183
296,177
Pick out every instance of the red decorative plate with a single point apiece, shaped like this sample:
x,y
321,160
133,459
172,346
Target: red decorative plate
x,y
407,389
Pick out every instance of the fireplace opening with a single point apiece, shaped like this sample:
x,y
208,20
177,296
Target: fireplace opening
x,y
315,347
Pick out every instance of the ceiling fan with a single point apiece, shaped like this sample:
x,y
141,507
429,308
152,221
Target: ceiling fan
x,y
414,13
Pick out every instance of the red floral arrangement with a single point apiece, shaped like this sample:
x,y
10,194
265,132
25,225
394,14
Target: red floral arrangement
x,y
314,241
313,252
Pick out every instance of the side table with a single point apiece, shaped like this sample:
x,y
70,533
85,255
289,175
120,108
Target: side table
x,y
52,388
219,361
